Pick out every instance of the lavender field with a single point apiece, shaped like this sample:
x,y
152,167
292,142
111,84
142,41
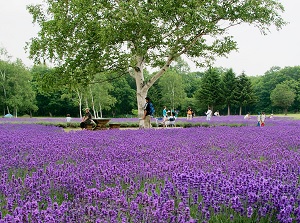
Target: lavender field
x,y
201,174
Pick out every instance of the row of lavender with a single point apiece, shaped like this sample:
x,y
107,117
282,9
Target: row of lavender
x,y
219,174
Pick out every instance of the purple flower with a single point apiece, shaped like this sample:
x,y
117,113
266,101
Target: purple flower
x,y
249,212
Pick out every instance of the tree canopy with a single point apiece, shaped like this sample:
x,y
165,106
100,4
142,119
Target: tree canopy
x,y
282,96
82,38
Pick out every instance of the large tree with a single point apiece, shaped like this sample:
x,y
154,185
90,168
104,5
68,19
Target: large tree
x,y
83,38
229,89
283,96
246,96
210,92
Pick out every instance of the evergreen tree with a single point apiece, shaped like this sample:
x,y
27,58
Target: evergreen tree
x,y
209,93
246,95
229,89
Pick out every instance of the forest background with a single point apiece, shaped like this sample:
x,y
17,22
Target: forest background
x,y
24,92
92,47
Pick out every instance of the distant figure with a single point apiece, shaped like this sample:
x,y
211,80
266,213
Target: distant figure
x,y
262,119
271,116
147,114
176,113
165,112
68,119
247,116
217,113
208,114
258,119
189,113
170,121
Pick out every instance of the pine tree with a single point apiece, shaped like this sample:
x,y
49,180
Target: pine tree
x,y
246,94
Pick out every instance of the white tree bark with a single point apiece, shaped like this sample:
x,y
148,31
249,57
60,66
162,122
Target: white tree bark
x,y
142,87
79,94
93,103
100,109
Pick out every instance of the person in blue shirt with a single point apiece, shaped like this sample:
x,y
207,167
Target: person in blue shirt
x,y
165,112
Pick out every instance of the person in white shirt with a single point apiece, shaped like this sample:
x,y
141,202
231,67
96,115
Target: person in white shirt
x,y
247,116
208,114
262,119
258,119
68,119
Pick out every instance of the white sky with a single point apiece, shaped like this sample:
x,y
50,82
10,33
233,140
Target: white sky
x,y
257,53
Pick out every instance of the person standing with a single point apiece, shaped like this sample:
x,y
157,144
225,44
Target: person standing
x,y
262,119
208,114
147,114
258,119
165,112
189,113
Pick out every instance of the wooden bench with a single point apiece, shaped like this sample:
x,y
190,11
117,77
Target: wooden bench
x,y
114,126
89,126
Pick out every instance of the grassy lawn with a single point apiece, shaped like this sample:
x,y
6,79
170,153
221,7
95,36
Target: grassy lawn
x,y
296,116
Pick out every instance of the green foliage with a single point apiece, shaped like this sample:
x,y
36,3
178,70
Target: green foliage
x,y
17,94
95,37
134,112
282,96
100,97
264,85
229,89
172,89
210,93
125,96
245,96
191,82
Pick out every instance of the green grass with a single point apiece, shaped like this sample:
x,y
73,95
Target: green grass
x,y
296,116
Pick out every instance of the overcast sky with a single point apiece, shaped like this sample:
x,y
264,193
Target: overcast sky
x,y
257,53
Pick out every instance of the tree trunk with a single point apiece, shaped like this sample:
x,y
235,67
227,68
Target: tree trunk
x,y
240,112
142,87
93,104
79,102
285,111
86,103
228,109
100,110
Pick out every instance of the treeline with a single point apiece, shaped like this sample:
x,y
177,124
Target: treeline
x,y
29,92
